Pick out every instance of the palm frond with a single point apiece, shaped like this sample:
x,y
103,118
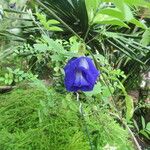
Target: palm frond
x,y
72,12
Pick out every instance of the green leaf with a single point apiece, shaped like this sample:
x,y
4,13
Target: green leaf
x,y
55,28
92,6
105,19
112,34
97,90
53,45
2,79
143,122
20,72
125,9
127,13
16,80
11,75
9,69
20,78
136,125
6,81
101,59
6,75
145,134
47,24
129,107
148,126
53,22
57,57
41,47
146,37
138,23
10,81
141,3
74,47
112,12
107,92
41,17
16,71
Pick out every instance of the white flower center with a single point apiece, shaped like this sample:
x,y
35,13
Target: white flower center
x,y
83,63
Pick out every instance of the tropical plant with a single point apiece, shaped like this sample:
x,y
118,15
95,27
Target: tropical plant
x,y
111,28
112,33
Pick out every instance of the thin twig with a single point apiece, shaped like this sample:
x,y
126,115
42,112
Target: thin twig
x,y
84,122
133,137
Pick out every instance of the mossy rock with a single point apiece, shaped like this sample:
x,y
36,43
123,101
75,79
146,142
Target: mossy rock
x,y
33,119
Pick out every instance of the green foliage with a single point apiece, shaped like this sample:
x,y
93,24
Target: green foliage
x,y
112,32
105,132
91,22
15,76
105,19
41,118
108,82
145,131
101,13
29,121
49,53
49,25
72,12
146,37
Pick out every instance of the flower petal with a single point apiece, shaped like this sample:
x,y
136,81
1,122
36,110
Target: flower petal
x,y
92,67
80,80
87,88
83,63
80,74
69,76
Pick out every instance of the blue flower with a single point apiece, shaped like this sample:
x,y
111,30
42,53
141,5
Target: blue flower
x,y
80,74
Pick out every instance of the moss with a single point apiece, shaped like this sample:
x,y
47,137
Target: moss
x,y
43,119
29,121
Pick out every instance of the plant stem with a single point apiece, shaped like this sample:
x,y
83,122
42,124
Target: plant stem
x,y
133,137
84,122
58,18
